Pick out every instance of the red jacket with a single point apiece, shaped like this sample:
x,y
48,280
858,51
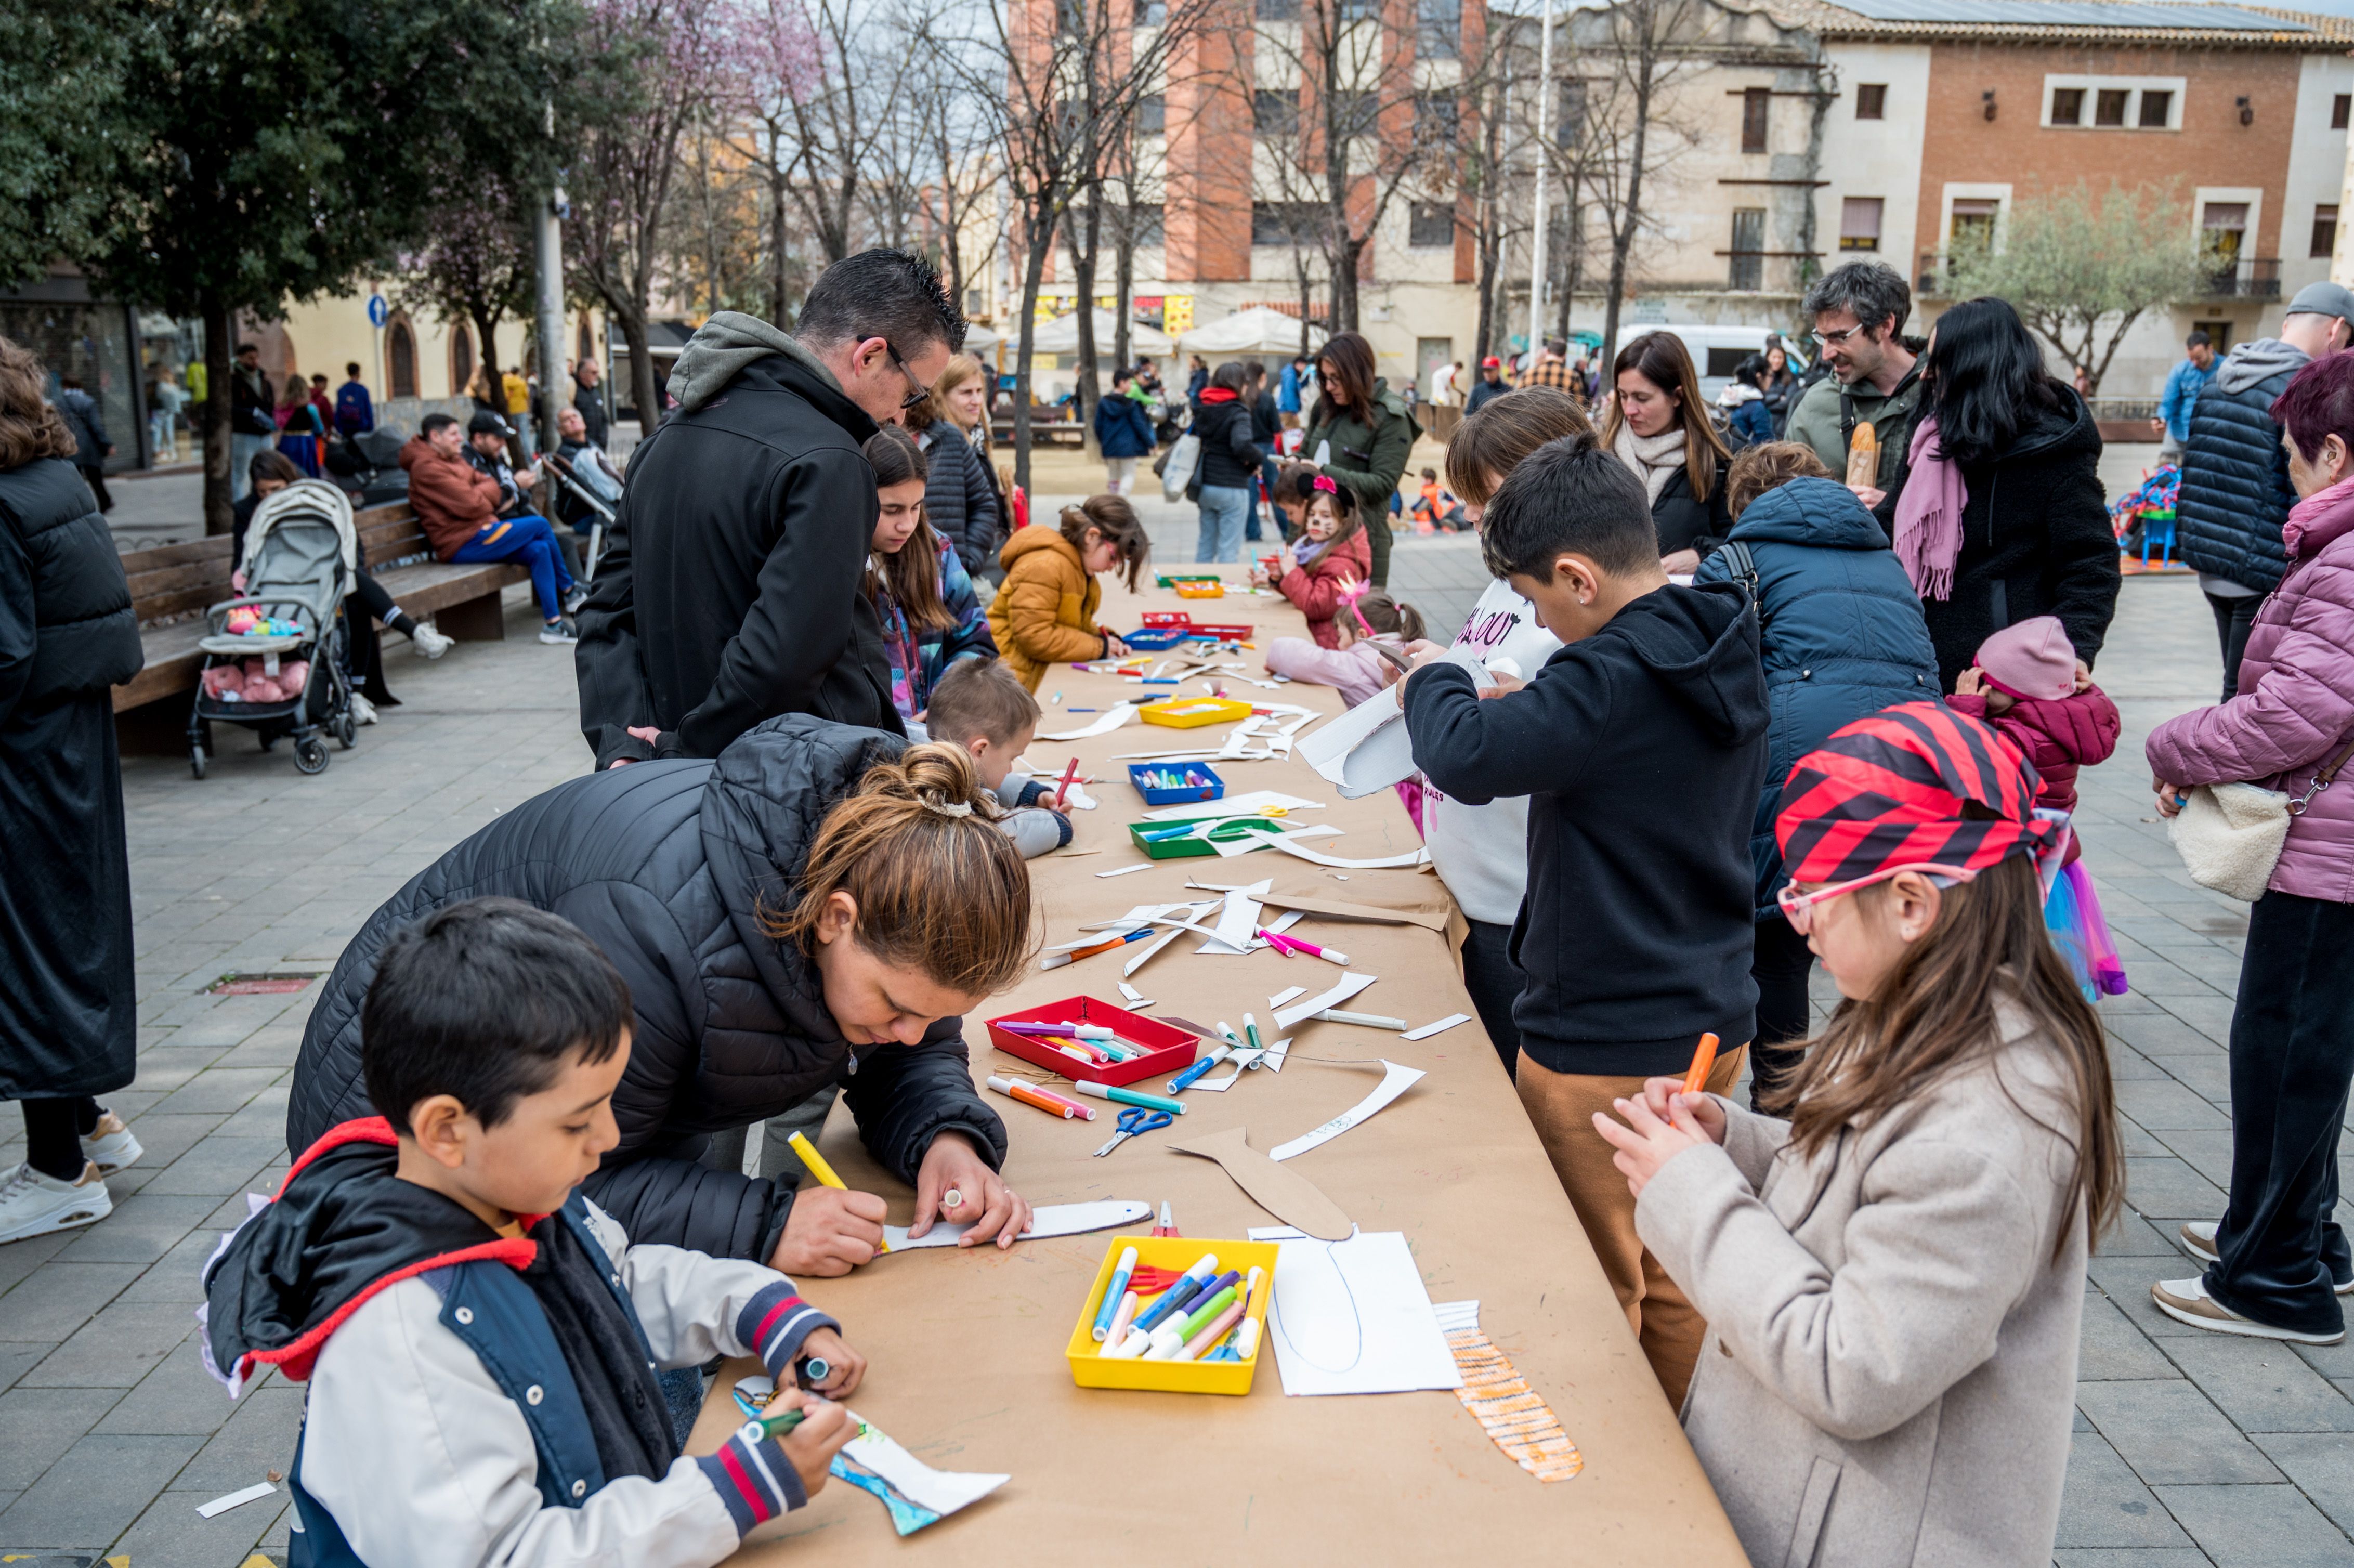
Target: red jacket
x,y
454,500
1316,588
2060,737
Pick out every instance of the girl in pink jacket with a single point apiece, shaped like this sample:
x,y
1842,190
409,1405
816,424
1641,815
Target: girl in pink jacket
x,y
1349,665
2276,1260
1331,558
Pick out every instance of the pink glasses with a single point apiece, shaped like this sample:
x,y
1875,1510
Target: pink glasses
x,y
1798,907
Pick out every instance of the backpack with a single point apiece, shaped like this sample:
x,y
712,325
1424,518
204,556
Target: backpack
x,y
1743,566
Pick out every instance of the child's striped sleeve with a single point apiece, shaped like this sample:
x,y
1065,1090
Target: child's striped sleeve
x,y
754,1477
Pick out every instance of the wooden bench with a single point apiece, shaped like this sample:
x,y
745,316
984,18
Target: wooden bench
x,y
173,585
1042,432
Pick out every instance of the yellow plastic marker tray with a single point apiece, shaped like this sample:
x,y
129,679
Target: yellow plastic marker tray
x,y
1191,713
1201,588
1089,1369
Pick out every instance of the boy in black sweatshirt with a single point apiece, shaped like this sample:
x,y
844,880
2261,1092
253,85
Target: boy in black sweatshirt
x,y
1642,746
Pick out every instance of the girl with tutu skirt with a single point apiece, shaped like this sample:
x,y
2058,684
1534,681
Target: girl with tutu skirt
x,y
2024,682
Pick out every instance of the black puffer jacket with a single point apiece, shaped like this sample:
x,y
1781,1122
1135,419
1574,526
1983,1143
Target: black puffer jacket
x,y
666,866
729,589
2235,490
1229,460
959,500
2035,539
78,623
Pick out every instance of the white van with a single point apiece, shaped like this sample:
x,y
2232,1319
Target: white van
x,y
1717,351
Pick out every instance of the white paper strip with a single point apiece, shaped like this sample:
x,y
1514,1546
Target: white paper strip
x,y
254,1493
1447,1023
1348,986
1341,863
1250,844
1454,1315
1237,930
1124,869
1276,1053
1135,996
1396,1081
1146,952
1286,994
1231,806
1048,1220
1110,719
942,1491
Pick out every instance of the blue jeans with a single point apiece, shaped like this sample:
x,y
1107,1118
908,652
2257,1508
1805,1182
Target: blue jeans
x,y
1224,512
529,540
241,451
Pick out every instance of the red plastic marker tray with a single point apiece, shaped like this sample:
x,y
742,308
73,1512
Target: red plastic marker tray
x,y
1182,620
1173,1048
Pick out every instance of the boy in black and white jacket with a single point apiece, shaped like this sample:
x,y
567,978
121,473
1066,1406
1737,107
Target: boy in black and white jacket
x,y
481,1342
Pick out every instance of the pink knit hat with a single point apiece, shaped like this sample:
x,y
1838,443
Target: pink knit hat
x,y
2033,658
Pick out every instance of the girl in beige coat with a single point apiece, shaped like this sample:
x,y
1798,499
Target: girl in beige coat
x,y
1894,1277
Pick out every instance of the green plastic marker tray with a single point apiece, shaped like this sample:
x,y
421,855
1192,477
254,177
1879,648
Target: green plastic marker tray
x,y
1200,843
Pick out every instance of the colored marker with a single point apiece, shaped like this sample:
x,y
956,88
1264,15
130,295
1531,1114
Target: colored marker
x,y
1193,1348
1289,945
1703,1058
1168,1224
1014,1089
1246,1340
1080,710
1166,1343
1370,1020
1250,1028
1113,1292
1178,1293
1186,1079
1227,1030
1201,1318
1128,1097
1250,1286
1069,773
1078,1108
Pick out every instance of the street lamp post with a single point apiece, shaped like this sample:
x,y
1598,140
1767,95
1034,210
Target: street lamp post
x,y
1545,182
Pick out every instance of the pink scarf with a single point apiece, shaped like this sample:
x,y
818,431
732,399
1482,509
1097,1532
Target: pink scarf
x,y
1929,515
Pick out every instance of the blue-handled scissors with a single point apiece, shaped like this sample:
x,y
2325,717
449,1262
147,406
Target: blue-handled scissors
x,y
1133,1122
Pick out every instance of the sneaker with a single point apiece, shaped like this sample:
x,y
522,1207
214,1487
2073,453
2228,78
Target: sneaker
x,y
560,630
363,710
112,1146
573,598
429,642
2187,1301
2198,1239
33,1204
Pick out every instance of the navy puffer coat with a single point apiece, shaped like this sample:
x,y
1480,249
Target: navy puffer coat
x,y
666,865
2235,490
960,501
1841,627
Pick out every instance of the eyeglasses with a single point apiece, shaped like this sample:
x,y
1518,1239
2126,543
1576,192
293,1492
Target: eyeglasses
x,y
1798,907
922,395
1838,338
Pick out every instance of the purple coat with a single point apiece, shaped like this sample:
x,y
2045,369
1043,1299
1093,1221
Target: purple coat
x,y
2295,712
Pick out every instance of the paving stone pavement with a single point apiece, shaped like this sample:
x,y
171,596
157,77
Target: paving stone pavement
x,y
2189,1449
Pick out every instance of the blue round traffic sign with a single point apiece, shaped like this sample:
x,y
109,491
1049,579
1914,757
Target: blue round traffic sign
x,y
378,312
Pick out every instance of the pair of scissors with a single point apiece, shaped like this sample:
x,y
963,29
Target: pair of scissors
x,y
1133,1122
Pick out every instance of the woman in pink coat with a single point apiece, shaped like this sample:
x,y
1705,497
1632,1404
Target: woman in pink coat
x,y
2276,1261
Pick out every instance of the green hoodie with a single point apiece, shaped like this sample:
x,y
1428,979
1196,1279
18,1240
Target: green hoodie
x,y
1816,421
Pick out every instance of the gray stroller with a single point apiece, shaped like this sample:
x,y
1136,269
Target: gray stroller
x,y
274,657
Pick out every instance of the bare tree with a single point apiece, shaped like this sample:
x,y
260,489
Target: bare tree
x,y
476,264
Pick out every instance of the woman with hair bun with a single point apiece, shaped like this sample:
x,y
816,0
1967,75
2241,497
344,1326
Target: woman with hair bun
x,y
816,907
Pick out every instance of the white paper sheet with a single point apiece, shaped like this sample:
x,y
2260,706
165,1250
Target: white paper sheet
x,y
1237,925
1454,1315
1318,857
220,1505
1231,806
1428,1030
1110,719
1353,1317
1396,1081
1368,748
1349,984
942,1491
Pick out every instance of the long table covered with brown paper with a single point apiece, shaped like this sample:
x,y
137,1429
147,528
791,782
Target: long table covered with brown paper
x,y
965,1348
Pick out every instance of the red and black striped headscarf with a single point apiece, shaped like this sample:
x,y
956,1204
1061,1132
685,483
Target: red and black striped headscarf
x,y
1892,789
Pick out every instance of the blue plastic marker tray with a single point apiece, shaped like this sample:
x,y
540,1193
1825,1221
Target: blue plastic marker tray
x,y
1214,788
1154,640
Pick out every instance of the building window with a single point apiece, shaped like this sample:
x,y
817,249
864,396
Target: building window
x,y
1871,101
1748,268
1275,113
1569,120
1278,10
462,360
1147,224
2115,102
1293,223
1432,223
1353,113
2223,232
2339,107
2109,106
1753,104
2067,106
1436,118
1973,225
2218,335
400,351
1438,28
2156,109
1151,13
1152,115
1859,223
2325,230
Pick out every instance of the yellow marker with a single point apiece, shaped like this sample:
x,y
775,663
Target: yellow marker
x,y
823,1171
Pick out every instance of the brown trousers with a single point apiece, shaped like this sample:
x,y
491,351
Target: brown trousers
x,y
1562,1108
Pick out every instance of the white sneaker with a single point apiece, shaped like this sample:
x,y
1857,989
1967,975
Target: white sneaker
x,y
2197,1237
2187,1301
429,642
32,1205
363,710
559,632
112,1146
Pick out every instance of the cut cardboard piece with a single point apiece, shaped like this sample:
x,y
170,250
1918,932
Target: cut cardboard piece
x,y
1431,918
1368,747
1288,1195
1051,1219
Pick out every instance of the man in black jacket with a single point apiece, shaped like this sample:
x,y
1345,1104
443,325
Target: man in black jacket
x,y
2235,490
252,418
729,591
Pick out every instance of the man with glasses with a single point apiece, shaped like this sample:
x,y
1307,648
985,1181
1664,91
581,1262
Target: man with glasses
x,y
1859,311
730,589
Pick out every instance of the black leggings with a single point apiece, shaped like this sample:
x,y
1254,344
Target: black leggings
x,y
1779,964
2233,617
53,1133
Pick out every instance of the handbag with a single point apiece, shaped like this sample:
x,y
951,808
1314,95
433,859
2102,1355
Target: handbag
x,y
2231,835
1177,475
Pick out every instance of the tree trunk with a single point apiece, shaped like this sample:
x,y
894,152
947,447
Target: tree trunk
x,y
1307,303
642,390
1083,272
1034,272
486,328
1123,269
1488,250
777,299
212,422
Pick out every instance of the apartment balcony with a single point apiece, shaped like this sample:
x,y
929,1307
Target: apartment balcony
x,y
2248,278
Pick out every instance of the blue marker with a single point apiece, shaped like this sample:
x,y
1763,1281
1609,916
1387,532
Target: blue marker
x,y
1113,1292
1187,1286
1185,1079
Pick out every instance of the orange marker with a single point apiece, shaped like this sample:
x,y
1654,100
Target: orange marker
x,y
1703,1060
1014,1088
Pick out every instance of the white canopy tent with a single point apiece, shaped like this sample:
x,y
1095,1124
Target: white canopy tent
x,y
1260,329
1062,336
979,341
